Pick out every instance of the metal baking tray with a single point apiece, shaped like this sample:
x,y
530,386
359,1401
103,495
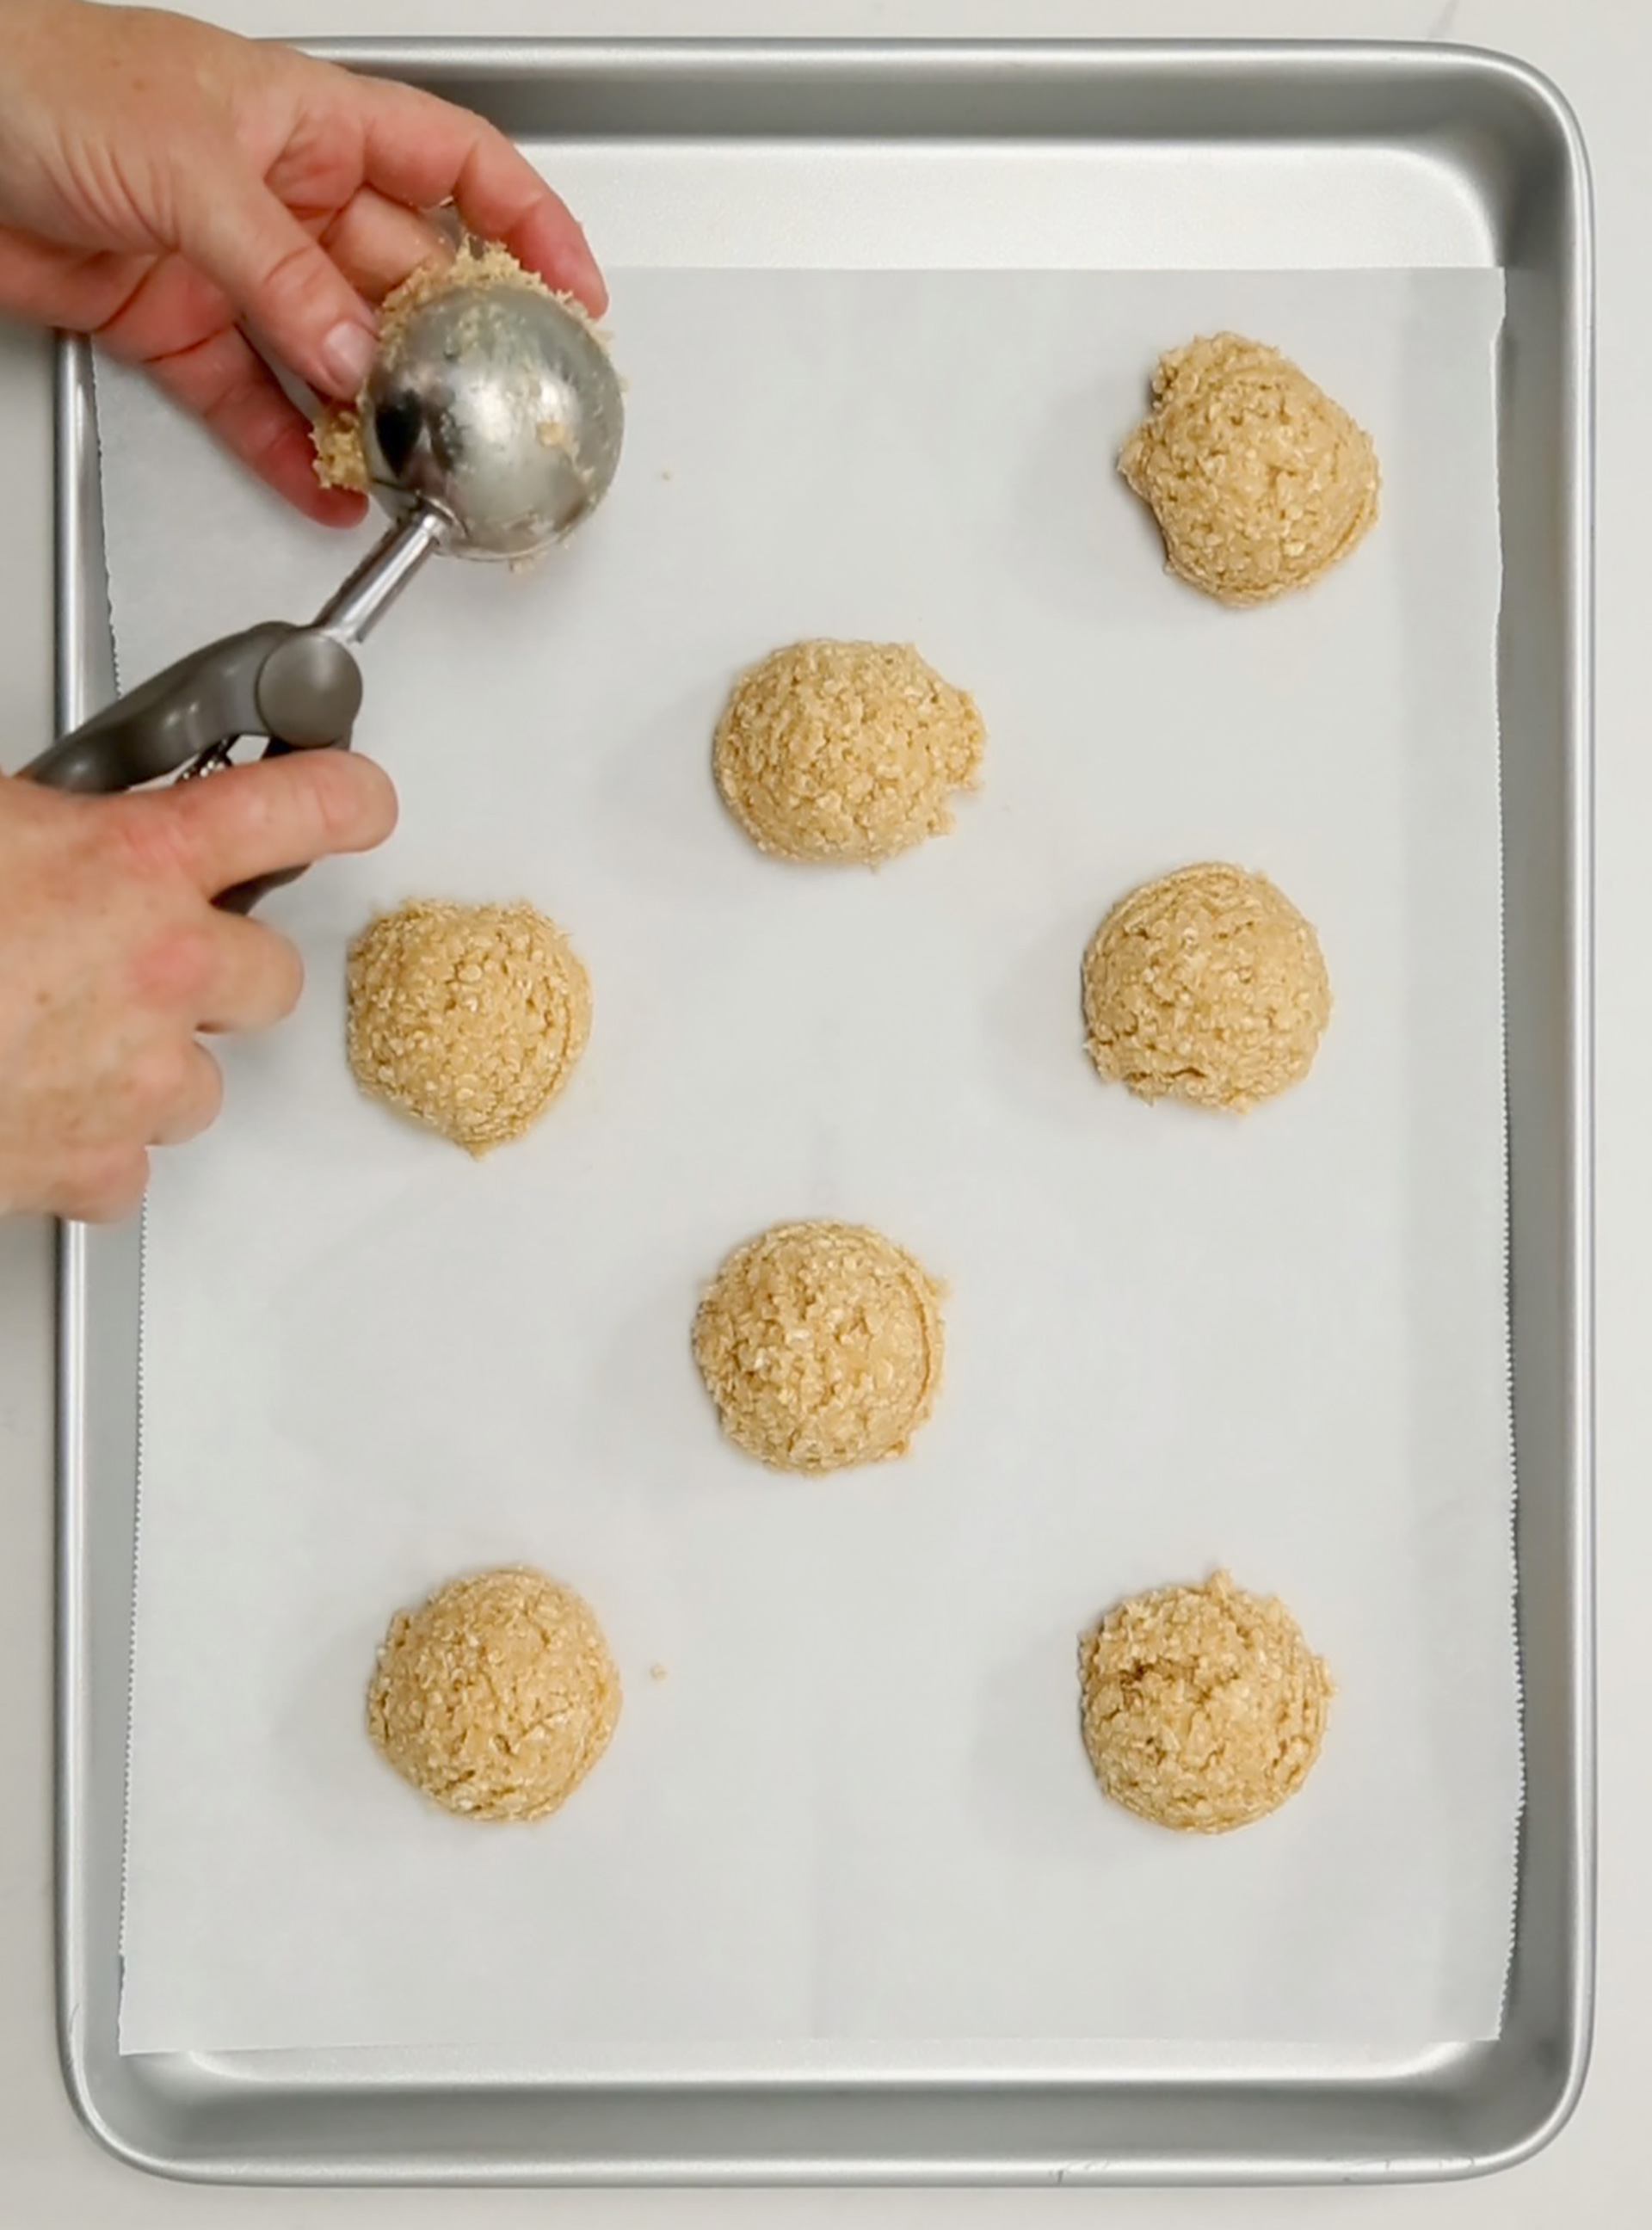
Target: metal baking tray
x,y
1204,156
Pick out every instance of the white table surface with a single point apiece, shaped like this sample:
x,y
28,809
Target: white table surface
x,y
1600,53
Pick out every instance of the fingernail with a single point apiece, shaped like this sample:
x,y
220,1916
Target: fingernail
x,y
347,357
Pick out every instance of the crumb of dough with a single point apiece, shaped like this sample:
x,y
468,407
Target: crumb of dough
x,y
658,1673
497,1696
821,1346
470,1018
340,456
845,750
1202,1708
1259,481
1207,987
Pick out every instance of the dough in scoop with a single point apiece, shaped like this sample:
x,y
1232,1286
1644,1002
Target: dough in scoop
x,y
470,1018
845,751
1207,987
1202,1708
497,1696
1259,481
821,1345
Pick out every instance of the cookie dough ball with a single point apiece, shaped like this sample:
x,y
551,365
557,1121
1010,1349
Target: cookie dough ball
x,y
845,750
1207,987
821,1346
497,1696
1203,1708
1259,481
470,1018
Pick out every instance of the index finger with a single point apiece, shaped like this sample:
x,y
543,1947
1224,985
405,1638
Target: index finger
x,y
423,151
251,820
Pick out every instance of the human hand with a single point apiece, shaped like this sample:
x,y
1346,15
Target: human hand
x,y
164,183
114,958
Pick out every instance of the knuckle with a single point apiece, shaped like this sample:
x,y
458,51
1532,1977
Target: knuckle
x,y
295,278
205,1099
157,1078
325,782
175,969
270,981
145,838
284,967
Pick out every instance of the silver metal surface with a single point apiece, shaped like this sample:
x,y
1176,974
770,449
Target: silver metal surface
x,y
1265,156
355,609
492,421
498,408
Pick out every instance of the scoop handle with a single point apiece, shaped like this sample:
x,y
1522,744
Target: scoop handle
x,y
350,615
192,707
298,686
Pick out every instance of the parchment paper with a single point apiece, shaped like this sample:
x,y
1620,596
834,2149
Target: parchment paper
x,y
855,1813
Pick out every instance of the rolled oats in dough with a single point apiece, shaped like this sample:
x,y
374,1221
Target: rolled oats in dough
x,y
470,1018
1202,1708
1207,987
821,1345
845,750
1259,481
497,1696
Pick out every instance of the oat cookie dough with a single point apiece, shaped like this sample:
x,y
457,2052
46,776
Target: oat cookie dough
x,y
470,1018
1202,1708
497,1696
1259,481
340,458
846,751
1207,987
821,1345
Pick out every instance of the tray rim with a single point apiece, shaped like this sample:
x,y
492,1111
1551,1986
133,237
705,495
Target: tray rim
x,y
79,1248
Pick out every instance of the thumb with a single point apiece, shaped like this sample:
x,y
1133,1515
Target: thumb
x,y
273,813
278,279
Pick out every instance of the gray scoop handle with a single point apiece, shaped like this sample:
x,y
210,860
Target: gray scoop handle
x,y
298,686
190,708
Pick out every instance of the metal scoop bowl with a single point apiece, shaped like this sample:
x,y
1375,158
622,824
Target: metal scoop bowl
x,y
491,424
496,407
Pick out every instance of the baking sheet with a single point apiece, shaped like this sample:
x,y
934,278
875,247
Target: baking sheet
x,y
855,1816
